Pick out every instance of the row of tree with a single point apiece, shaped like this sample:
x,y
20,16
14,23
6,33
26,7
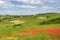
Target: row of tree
x,y
53,21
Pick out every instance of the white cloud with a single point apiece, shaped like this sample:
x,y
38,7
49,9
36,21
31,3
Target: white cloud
x,y
36,1
52,1
31,1
58,7
47,7
28,6
1,1
5,4
8,12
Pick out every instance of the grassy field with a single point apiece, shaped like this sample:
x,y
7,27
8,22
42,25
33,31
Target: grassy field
x,y
32,27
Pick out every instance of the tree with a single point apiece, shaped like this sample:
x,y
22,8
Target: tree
x,y
47,16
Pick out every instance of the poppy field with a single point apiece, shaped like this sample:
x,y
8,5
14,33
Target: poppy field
x,y
30,27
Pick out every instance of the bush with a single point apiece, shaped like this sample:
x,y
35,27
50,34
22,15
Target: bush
x,y
17,25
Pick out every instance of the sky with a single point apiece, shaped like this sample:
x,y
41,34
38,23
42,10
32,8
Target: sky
x,y
28,7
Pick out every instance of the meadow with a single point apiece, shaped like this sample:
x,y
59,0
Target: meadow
x,y
30,27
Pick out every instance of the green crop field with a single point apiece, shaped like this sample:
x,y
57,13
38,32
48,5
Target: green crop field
x,y
30,27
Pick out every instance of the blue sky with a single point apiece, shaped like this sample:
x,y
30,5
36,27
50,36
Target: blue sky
x,y
27,7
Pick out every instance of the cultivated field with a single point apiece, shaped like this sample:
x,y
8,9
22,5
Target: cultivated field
x,y
30,27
